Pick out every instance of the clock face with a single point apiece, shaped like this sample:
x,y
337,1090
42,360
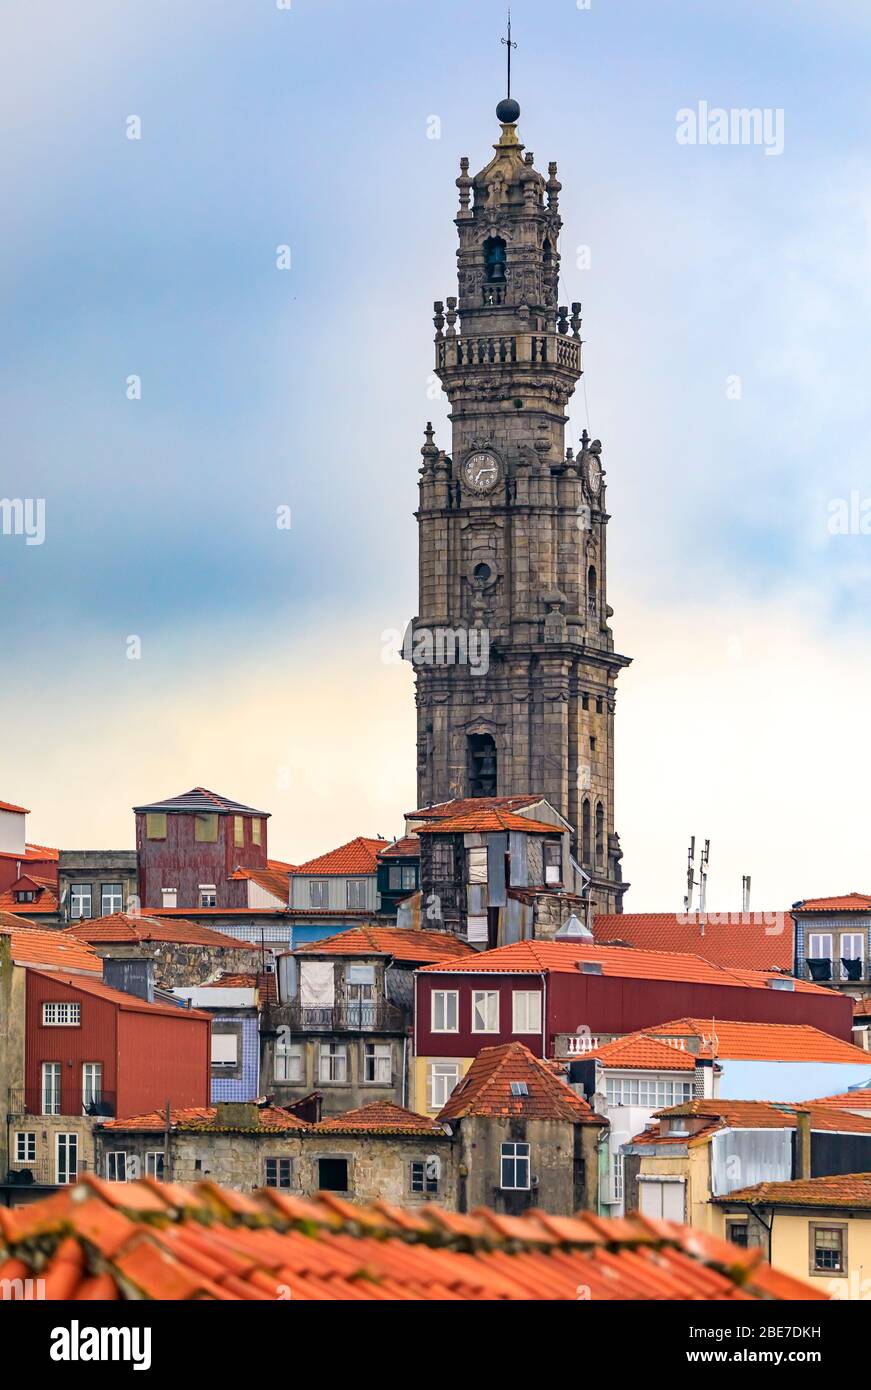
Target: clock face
x,y
481,471
593,470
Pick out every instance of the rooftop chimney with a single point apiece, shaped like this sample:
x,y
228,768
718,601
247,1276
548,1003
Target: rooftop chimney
x,y
132,975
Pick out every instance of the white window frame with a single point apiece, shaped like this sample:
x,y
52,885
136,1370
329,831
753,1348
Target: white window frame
x,y
356,888
335,1055
283,1055
617,1176
516,1154
526,1011
61,1013
170,897
208,895
25,1146
318,894
427,1180
810,954
378,1054
80,893
279,1160
116,1158
108,891
151,1164
851,936
69,1144
223,1040
51,1076
441,1003
443,1073
92,1083
487,995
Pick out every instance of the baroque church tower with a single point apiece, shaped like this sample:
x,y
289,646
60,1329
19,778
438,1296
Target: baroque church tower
x,y
514,657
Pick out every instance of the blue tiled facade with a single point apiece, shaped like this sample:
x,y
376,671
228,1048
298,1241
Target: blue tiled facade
x,y
246,1086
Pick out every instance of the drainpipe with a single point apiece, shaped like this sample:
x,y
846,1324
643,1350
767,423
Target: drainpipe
x,y
167,1142
803,1143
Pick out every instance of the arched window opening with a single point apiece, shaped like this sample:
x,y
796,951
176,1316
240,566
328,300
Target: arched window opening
x,y
585,835
494,260
482,765
600,833
592,599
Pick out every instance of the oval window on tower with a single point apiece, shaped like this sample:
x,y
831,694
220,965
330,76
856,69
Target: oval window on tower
x,y
482,573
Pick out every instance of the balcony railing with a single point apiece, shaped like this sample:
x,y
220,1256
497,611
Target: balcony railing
x,y
30,1100
347,1018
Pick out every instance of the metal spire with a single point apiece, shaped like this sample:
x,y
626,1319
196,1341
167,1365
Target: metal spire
x,y
509,46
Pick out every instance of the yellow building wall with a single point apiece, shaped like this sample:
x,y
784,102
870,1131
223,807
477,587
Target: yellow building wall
x,y
695,1169
790,1251
418,1100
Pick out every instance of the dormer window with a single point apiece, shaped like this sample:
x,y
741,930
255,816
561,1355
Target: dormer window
x,y
25,896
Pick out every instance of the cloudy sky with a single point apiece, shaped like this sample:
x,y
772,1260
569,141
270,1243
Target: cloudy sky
x,y
726,306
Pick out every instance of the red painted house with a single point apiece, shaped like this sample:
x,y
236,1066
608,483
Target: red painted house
x,y
18,858
191,846
535,991
93,1050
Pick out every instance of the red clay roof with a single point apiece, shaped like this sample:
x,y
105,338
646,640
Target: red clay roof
x,y
402,943
130,1003
137,927
487,819
201,799
852,1190
847,1100
147,1239
358,856
533,957
273,880
19,810
205,1117
45,902
764,1042
862,1006
751,1114
756,940
34,946
848,902
379,1117
32,853
263,982
638,1052
486,1089
464,805
408,847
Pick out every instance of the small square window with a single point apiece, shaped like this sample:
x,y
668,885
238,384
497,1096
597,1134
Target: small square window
x,y
155,825
25,1147
827,1249
318,891
444,1010
378,1063
111,898
485,1011
425,1176
333,1174
279,1172
206,828
61,1015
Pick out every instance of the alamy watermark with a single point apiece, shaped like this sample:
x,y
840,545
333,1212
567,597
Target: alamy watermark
x,y
737,125
438,646
23,516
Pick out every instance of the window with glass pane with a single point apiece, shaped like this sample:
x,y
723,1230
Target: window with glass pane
x,y
111,898
116,1165
409,876
378,1063
617,1177
444,1010
485,1011
66,1158
526,1006
515,1166
356,892
25,1147
333,1062
852,949
829,1248
92,1083
51,1088
424,1176
288,1063
443,1078
279,1172
80,900
154,1165
62,1015
317,892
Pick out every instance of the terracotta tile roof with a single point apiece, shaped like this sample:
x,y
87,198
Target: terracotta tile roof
x,y
852,1190
129,1003
486,1089
273,880
639,1052
408,847
33,946
32,853
163,1241
19,810
46,900
765,1042
138,927
402,943
205,1117
750,1114
847,1100
862,1006
201,799
465,805
756,940
847,902
264,982
358,856
380,1117
525,957
487,819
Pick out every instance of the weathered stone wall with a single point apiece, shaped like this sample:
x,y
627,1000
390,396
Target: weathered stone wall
x,y
177,964
562,1160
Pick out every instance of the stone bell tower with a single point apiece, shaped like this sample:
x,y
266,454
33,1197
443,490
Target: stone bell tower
x,y
514,658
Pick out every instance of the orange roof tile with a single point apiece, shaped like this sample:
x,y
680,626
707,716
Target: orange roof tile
x,y
34,946
862,1006
358,856
263,982
204,1117
130,1003
402,943
751,1114
847,902
525,957
19,810
273,880
764,1042
464,805
379,1117
487,819
642,1053
46,900
755,940
163,1241
139,927
846,1100
407,847
851,1190
486,1089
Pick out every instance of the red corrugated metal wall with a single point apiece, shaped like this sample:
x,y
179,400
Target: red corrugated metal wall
x,y
183,862
162,1059
93,1041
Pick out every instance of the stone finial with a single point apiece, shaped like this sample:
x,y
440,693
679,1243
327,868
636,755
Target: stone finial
x,y
576,320
452,316
429,452
562,322
464,184
438,319
553,187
